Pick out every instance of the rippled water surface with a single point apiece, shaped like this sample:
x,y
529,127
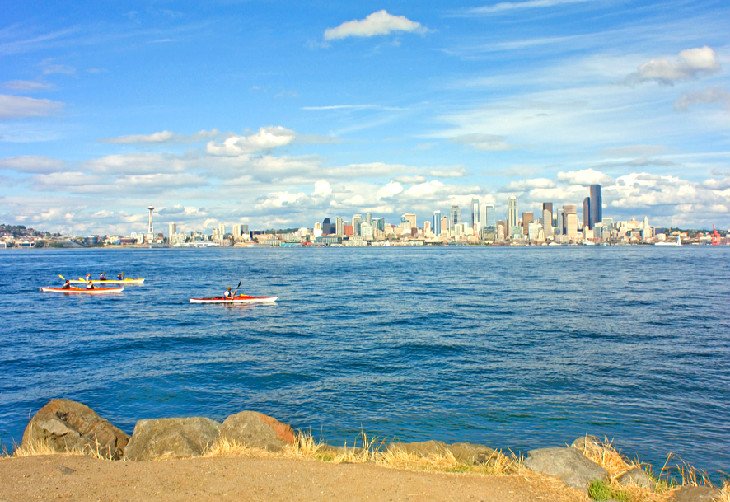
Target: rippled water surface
x,y
516,348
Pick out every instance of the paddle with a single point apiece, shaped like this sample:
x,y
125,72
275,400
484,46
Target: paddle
x,y
236,290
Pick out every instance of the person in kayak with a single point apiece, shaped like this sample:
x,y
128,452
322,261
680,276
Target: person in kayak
x,y
66,285
120,276
102,276
228,293
89,285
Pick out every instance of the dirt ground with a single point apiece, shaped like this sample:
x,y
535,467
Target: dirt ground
x,y
61,477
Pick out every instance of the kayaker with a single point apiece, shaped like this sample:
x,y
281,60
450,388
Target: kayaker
x,y
120,276
89,285
228,293
102,276
66,285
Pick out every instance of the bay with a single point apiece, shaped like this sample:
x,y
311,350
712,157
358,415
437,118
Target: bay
x,y
510,347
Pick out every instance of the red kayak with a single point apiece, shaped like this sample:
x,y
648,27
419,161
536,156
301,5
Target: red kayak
x,y
86,291
236,299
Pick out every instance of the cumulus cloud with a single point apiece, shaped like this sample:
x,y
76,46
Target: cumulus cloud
x,y
377,23
484,142
529,184
712,95
12,107
31,164
584,177
322,188
689,64
162,137
390,189
267,138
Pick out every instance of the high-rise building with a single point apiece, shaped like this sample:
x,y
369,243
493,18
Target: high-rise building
x,y
511,214
476,216
527,218
489,219
150,233
445,225
454,216
410,218
356,222
339,227
547,218
366,231
570,217
171,231
437,223
587,223
426,227
245,233
236,232
596,202
369,218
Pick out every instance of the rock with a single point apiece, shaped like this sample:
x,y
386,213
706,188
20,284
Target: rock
x,y
257,430
420,449
636,477
568,464
171,437
696,494
586,442
472,454
66,425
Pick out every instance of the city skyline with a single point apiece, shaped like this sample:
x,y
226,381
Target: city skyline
x,y
274,115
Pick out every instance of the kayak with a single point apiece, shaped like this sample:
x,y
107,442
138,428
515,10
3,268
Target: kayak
x,y
94,291
236,299
126,280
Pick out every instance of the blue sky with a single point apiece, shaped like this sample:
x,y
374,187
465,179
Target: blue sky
x,y
277,113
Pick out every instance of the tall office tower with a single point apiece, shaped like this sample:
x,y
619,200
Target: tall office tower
x,y
476,217
236,232
245,233
489,219
369,218
587,223
547,218
511,214
221,230
150,233
356,222
571,220
444,225
437,223
454,216
596,211
560,227
501,230
378,224
410,218
366,230
426,227
171,230
527,218
326,227
339,226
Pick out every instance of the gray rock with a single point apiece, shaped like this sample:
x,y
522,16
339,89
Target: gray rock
x,y
66,425
636,477
583,443
472,454
695,494
420,449
171,438
568,464
257,430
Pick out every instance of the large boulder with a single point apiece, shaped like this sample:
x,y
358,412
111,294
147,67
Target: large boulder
x,y
696,494
65,425
636,477
472,454
171,438
420,448
568,464
256,430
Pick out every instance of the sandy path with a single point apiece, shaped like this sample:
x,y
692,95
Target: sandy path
x,y
60,477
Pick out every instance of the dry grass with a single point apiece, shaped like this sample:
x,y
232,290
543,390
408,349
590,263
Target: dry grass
x,y
725,492
38,447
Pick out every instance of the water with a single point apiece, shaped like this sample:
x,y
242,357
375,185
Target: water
x,y
518,348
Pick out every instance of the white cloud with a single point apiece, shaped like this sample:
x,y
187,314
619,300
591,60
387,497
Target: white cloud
x,y
689,64
377,23
584,177
530,184
280,200
527,4
712,95
322,188
137,163
27,85
12,107
266,138
31,164
163,137
390,189
484,142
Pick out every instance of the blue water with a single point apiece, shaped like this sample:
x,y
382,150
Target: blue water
x,y
518,348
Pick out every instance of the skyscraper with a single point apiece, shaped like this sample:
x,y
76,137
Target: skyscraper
x,y
327,227
437,223
489,220
527,218
339,227
596,211
511,214
587,222
454,216
570,217
476,216
410,218
547,218
356,222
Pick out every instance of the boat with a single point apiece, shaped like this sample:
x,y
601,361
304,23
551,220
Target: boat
x,y
240,299
678,242
87,291
126,280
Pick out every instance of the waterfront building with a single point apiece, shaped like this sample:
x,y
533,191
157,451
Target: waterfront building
x,y
339,226
437,223
511,214
535,232
596,202
348,230
587,213
454,216
476,216
570,220
356,222
527,218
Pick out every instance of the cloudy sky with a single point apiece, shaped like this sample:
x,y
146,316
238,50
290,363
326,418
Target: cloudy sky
x,y
279,113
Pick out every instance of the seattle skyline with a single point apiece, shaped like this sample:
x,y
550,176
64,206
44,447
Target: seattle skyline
x,y
275,114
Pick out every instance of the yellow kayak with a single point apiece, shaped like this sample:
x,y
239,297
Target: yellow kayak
x,y
126,280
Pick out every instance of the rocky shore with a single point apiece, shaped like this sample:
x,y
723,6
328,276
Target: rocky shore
x,y
587,469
